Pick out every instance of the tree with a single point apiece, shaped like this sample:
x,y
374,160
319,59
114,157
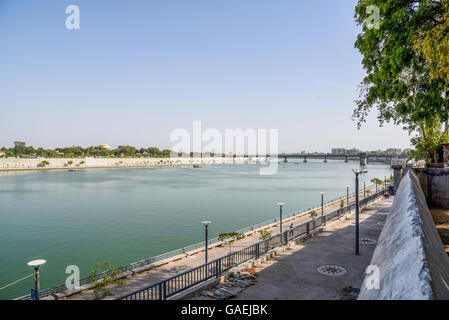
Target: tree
x,y
19,148
398,80
432,41
230,237
265,234
44,163
313,214
110,276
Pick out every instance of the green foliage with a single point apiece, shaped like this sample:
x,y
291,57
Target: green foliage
x,y
70,162
21,150
313,214
377,180
230,237
82,162
265,234
398,80
342,203
44,163
110,276
432,41
429,147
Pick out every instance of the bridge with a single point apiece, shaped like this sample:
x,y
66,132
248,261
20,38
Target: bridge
x,y
364,158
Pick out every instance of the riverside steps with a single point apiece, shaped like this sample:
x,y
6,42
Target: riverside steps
x,y
176,274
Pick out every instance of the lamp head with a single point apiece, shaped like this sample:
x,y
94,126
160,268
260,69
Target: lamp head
x,y
281,204
206,223
36,263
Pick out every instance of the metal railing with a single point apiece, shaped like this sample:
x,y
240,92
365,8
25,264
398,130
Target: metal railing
x,y
145,262
176,284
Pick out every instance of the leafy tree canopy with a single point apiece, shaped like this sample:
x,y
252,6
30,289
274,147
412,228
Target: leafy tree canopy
x,y
398,81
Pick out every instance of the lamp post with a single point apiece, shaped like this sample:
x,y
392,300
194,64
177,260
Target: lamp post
x,y
322,207
280,204
347,195
205,223
357,173
36,264
364,190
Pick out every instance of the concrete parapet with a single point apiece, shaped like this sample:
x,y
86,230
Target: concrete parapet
x,y
434,183
410,256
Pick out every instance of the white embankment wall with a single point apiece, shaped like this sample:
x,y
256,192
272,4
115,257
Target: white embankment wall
x,y
12,164
410,255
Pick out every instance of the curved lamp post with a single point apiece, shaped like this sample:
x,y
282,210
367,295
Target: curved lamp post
x,y
205,223
357,173
36,264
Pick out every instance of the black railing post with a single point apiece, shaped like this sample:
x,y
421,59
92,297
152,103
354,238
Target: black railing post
x,y
164,290
308,228
160,291
217,272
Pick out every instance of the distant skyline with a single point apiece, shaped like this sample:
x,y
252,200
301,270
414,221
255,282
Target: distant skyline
x,y
137,70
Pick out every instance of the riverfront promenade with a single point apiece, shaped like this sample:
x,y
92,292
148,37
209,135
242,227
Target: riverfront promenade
x,y
154,275
293,275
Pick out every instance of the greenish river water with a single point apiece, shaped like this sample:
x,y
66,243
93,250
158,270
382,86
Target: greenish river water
x,y
125,215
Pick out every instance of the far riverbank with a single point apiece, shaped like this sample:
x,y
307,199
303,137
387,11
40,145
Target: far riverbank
x,y
21,164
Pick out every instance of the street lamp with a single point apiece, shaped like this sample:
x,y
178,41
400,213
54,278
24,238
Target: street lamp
x,y
364,190
280,204
357,173
322,206
347,195
36,264
205,223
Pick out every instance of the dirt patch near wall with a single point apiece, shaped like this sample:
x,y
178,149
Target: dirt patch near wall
x,y
441,219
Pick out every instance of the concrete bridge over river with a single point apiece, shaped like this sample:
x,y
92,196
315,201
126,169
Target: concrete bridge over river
x,y
364,158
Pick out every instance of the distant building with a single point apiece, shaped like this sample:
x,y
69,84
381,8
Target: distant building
x,y
105,146
338,151
353,151
2,153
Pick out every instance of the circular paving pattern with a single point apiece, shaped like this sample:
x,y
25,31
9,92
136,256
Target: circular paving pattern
x,y
331,270
367,241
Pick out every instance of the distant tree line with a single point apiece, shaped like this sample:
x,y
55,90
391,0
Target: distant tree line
x,y
21,150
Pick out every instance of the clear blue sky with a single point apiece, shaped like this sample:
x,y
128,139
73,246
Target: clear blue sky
x,y
136,70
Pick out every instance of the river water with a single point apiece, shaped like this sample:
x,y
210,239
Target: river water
x,y
125,215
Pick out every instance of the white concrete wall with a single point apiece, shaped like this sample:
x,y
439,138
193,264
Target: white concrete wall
x,y
62,163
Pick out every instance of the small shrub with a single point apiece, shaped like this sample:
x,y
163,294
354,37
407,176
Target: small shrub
x,y
111,274
265,234
44,163
313,214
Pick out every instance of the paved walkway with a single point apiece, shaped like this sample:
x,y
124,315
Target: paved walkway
x,y
293,274
154,275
